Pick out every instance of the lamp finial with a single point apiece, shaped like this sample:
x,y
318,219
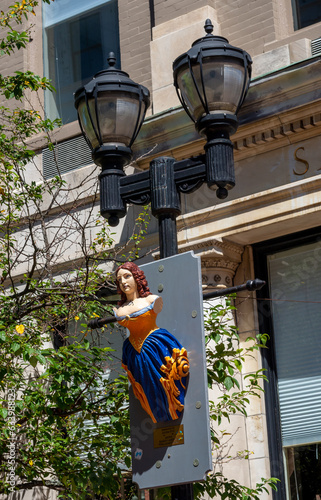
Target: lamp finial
x,y
111,59
208,27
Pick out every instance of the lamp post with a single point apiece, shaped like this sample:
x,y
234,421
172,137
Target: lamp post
x,y
211,80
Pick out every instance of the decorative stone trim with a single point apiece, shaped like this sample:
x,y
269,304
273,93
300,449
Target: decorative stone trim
x,y
207,246
220,260
218,273
251,139
277,132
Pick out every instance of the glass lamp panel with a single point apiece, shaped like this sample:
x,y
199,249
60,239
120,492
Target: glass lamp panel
x,y
223,82
86,121
189,92
117,114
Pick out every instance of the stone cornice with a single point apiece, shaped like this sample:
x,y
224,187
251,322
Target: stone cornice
x,y
220,264
209,245
283,130
286,209
252,139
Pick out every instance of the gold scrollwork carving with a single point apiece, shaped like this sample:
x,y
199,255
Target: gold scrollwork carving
x,y
301,160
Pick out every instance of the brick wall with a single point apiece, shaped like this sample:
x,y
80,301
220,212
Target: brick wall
x,y
247,23
135,37
9,64
14,62
165,10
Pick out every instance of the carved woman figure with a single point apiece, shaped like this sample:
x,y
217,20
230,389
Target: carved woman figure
x,y
155,362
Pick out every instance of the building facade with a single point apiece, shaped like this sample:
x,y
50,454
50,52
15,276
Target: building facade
x,y
269,227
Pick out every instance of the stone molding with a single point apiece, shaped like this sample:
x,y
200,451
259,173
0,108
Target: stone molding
x,y
278,211
219,260
209,245
274,135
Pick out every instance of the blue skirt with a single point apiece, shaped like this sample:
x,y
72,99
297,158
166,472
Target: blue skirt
x,y
158,374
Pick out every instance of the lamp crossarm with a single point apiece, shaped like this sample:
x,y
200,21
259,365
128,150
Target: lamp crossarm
x,y
161,185
188,176
135,188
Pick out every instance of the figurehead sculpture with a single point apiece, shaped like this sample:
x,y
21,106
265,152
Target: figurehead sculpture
x,y
156,363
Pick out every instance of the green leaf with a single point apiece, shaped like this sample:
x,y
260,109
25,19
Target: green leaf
x,y
33,361
228,382
15,346
238,364
3,412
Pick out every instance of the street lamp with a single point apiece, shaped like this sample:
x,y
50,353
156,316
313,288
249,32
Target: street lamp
x,y
211,80
111,109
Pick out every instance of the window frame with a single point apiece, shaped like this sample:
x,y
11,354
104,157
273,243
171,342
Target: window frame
x,y
273,419
297,23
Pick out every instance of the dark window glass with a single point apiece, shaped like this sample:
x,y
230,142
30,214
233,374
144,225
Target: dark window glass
x,y
306,12
304,471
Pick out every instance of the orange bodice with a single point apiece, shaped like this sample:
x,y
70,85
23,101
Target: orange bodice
x,y
139,326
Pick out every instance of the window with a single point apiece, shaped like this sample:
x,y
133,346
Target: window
x,y
77,42
293,319
306,12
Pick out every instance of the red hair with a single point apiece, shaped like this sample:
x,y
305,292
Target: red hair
x,y
139,277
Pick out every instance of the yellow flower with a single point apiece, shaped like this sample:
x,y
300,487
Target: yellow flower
x,y
76,318
20,329
31,462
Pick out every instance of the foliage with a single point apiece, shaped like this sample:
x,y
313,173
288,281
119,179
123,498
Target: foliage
x,y
65,420
225,358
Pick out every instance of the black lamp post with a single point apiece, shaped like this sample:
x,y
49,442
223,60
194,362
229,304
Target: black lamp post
x,y
211,80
